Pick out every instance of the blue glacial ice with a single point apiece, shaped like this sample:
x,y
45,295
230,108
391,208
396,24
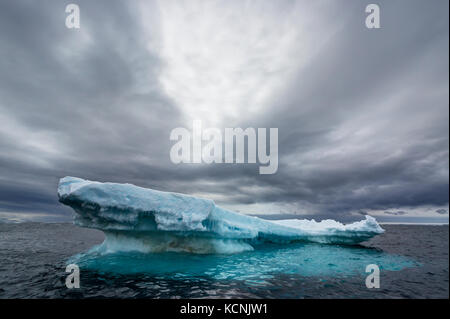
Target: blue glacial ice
x,y
145,220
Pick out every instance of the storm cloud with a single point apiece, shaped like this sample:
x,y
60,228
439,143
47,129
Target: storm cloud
x,y
362,113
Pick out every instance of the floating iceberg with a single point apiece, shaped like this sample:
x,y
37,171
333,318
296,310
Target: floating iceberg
x,y
140,219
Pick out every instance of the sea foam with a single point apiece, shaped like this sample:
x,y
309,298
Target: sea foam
x,y
140,219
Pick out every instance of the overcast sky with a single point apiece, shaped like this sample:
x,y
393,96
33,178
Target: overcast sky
x,y
362,114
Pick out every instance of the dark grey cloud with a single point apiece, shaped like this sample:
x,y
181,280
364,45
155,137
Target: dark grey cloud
x,y
397,213
363,125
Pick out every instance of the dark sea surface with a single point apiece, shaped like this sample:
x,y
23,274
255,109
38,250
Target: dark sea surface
x,y
413,260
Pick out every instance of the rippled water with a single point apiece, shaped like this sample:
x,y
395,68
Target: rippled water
x,y
413,262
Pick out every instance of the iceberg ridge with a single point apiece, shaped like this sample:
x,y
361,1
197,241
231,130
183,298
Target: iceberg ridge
x,y
140,219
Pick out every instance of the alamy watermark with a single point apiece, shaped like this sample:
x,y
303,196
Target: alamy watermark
x,y
73,279
373,19
211,146
373,279
73,17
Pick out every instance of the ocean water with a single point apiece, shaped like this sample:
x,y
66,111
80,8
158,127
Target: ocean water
x,y
413,262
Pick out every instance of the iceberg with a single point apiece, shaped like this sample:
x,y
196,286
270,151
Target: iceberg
x,y
146,220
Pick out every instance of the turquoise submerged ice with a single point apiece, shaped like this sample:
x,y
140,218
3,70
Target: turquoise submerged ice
x,y
136,219
258,266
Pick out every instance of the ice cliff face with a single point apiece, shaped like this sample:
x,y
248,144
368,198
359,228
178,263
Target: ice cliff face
x,y
136,218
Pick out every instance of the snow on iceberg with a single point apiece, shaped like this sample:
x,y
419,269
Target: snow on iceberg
x,y
140,219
